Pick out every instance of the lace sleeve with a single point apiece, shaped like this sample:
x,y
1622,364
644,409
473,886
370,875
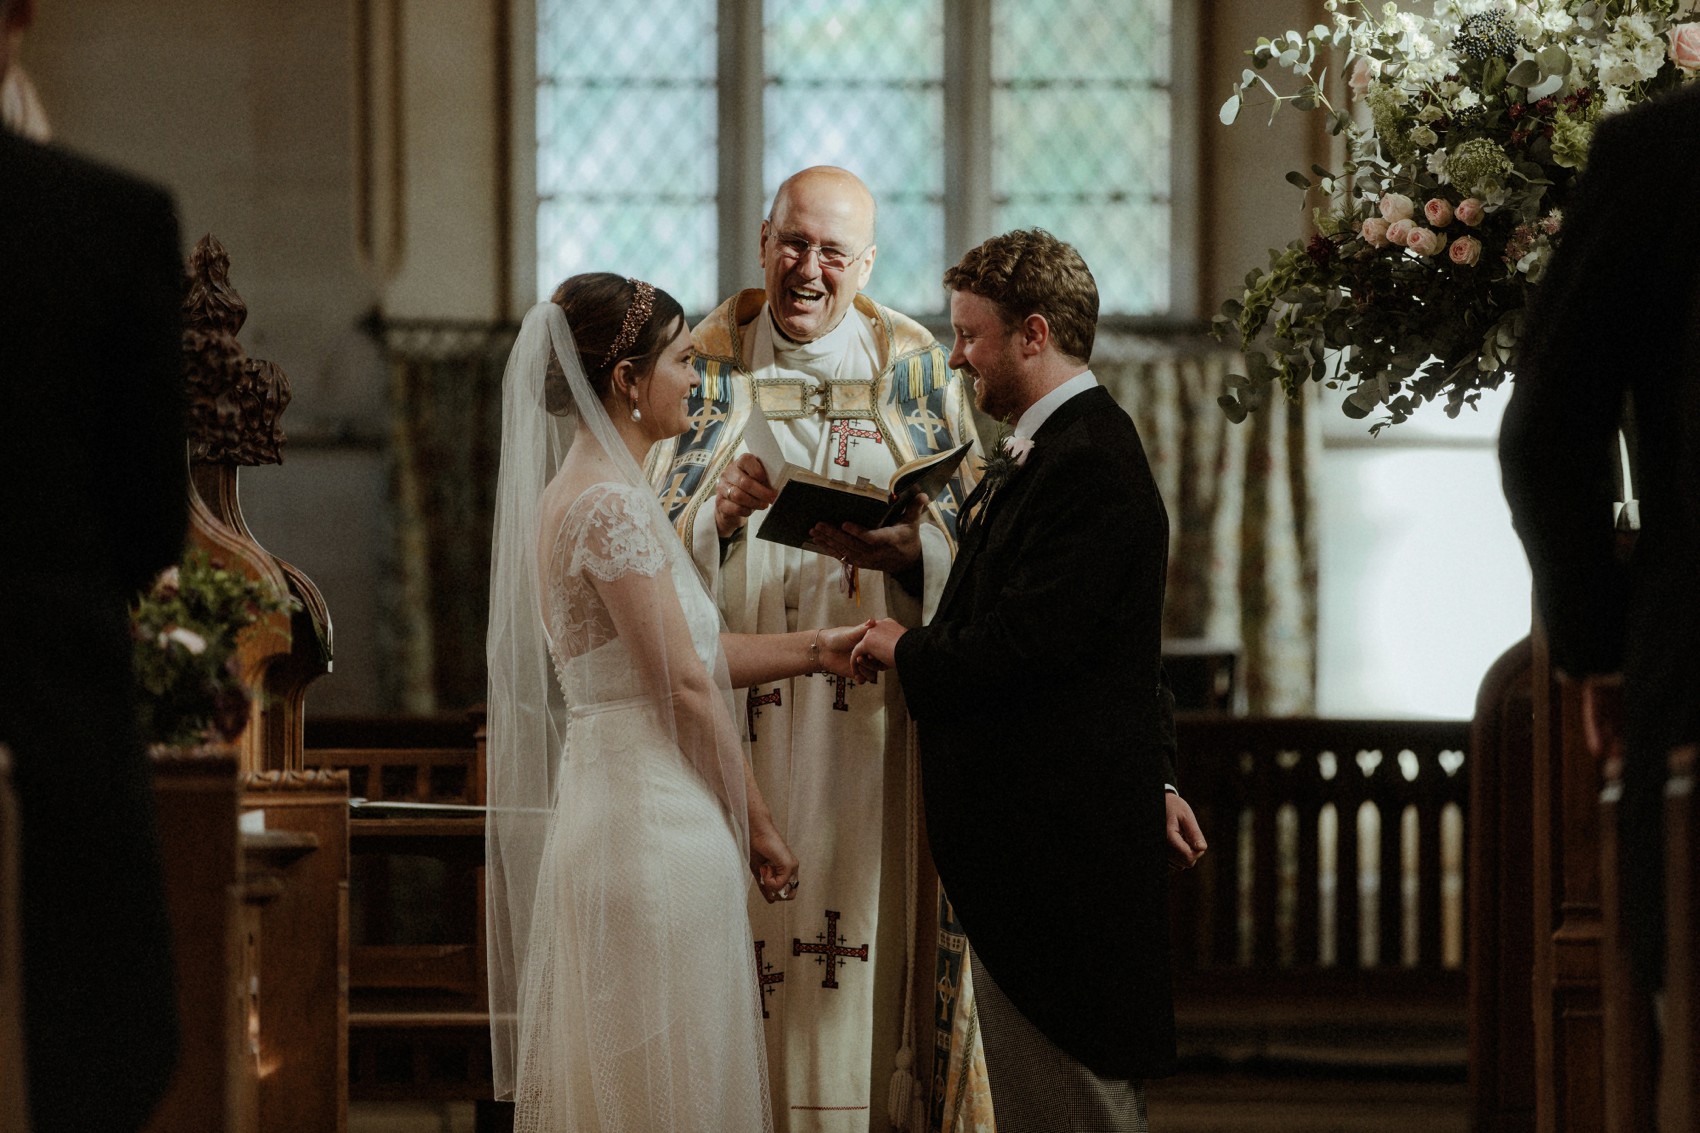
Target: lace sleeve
x,y
617,535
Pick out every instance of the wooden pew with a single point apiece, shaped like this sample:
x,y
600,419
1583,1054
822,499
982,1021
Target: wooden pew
x,y
1502,938
260,917
1679,1078
1628,1076
296,873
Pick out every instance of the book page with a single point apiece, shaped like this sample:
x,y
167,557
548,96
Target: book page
x,y
759,439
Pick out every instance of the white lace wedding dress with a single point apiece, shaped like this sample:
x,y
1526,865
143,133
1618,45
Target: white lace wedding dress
x,y
644,1013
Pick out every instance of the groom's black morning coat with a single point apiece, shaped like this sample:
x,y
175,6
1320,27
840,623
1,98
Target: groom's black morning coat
x,y
1047,734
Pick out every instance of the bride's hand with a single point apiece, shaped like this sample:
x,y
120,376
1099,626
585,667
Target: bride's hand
x,y
837,647
773,863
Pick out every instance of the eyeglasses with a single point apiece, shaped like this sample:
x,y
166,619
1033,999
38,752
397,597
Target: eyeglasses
x,y
832,258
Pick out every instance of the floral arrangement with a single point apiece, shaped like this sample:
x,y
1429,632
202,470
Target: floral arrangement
x,y
1451,197
185,630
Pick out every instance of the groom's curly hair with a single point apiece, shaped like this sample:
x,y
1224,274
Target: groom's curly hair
x,y
1031,272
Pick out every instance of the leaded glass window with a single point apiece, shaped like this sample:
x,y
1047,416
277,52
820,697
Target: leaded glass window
x,y
1081,137
1055,113
860,83
627,163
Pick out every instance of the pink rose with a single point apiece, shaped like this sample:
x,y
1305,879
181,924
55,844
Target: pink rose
x,y
1399,232
1439,212
1374,232
1425,241
1469,211
1363,73
1685,46
1465,250
1396,206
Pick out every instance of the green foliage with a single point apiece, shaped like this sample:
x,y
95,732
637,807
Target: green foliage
x,y
185,630
1473,106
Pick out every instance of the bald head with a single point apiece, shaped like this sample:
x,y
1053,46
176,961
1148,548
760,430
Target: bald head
x,y
817,249
827,184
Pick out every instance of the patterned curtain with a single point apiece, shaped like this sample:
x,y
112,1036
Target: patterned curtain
x,y
445,443
1242,551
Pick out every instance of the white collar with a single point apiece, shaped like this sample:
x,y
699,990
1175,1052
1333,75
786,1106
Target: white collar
x,y
826,356
1040,411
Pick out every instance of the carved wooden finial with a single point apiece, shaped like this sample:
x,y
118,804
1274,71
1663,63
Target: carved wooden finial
x,y
235,402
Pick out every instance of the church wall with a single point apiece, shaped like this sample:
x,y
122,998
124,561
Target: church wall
x,y
356,156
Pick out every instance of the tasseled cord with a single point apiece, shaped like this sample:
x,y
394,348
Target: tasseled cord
x,y
904,1104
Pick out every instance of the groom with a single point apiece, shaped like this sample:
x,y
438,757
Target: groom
x,y
1045,727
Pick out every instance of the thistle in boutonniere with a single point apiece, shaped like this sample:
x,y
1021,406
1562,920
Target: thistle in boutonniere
x,y
1009,453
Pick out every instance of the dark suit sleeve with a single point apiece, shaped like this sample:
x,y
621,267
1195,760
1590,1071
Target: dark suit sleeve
x,y
1558,439
143,462
1092,549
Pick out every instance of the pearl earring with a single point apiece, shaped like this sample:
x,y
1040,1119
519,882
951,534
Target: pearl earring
x,y
636,415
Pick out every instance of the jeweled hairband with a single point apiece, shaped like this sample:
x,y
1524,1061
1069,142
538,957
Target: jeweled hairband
x,y
643,302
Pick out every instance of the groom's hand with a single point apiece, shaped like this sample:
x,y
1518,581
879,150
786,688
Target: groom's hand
x,y
1186,840
878,650
892,549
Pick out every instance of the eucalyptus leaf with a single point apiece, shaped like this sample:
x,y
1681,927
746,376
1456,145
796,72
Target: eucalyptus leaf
x,y
1554,60
1298,179
1360,402
1524,74
1230,110
1306,99
1232,408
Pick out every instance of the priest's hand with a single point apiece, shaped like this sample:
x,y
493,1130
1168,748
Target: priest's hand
x,y
1186,842
743,489
892,549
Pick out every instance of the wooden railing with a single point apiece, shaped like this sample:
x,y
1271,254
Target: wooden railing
x,y
1335,873
418,1010
1337,855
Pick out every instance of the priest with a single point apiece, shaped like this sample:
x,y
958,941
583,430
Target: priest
x,y
849,389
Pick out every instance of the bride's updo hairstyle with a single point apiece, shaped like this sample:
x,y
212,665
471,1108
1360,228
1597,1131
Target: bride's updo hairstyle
x,y
600,306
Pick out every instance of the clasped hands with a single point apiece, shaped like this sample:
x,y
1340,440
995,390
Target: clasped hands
x,y
744,489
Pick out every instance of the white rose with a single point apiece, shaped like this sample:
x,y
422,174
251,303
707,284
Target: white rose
x,y
1396,206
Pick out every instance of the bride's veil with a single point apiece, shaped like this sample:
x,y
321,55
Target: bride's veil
x,y
528,713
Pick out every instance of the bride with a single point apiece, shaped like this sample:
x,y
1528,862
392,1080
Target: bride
x,y
622,811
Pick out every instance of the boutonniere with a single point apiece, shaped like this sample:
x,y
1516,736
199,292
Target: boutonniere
x,y
1008,455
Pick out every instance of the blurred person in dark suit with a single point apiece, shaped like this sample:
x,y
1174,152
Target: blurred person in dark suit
x,y
1615,324
92,506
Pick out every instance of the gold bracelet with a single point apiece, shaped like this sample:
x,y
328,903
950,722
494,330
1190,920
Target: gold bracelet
x,y
814,653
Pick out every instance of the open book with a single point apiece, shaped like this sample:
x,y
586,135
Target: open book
x,y
807,498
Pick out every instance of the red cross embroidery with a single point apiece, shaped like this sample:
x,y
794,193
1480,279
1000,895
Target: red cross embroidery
x,y
840,694
753,707
764,981
842,430
830,950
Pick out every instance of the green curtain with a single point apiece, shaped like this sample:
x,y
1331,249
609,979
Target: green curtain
x,y
445,443
1242,515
